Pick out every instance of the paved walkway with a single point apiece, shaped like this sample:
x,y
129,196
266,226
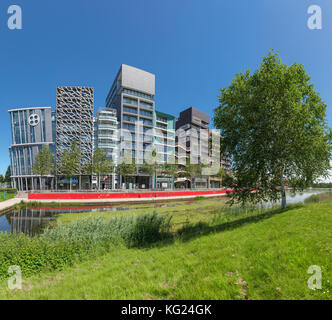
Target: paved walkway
x,y
122,200
4,205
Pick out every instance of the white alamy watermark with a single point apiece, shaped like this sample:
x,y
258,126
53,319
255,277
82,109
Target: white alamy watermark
x,y
315,20
15,19
315,281
15,278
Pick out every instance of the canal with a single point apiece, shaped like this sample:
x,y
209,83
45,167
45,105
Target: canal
x,y
32,221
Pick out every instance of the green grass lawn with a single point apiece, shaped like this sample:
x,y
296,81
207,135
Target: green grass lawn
x,y
249,256
8,196
182,212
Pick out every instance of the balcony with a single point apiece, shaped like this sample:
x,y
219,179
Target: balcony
x,y
146,105
130,101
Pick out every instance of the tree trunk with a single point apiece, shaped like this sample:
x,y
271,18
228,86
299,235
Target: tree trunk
x,y
283,194
70,181
40,183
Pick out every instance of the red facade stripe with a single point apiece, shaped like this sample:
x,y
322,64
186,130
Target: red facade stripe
x,y
124,195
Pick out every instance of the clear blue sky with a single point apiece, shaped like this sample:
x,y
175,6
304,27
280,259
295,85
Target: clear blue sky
x,y
194,47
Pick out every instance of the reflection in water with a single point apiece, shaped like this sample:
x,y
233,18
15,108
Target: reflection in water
x,y
294,198
29,221
33,221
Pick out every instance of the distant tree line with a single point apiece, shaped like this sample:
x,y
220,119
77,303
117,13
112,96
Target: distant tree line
x,y
5,178
322,185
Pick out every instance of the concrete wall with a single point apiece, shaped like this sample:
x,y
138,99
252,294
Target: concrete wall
x,y
138,79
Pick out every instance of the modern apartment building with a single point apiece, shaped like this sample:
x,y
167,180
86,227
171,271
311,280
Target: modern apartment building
x,y
74,122
215,181
106,138
192,143
132,95
31,128
128,125
164,144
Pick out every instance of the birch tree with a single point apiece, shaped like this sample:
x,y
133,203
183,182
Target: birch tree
x,y
273,123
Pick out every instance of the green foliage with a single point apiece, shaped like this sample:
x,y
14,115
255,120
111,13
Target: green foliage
x,y
44,163
172,169
191,170
101,165
145,229
274,125
9,190
7,193
322,185
127,166
316,198
241,256
65,245
148,169
312,199
132,230
70,161
151,163
7,175
199,198
34,254
228,181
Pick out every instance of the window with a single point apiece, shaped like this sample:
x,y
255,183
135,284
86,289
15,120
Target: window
x,y
129,126
147,122
161,126
130,101
130,110
43,125
16,128
145,113
129,118
162,119
138,94
145,129
146,104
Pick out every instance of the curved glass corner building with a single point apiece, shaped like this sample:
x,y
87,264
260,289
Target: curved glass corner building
x,y
31,129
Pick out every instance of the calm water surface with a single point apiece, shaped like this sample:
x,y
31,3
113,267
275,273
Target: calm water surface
x,y
32,221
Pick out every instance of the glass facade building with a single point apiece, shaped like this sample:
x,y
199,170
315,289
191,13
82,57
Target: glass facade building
x,y
106,139
128,125
31,128
164,144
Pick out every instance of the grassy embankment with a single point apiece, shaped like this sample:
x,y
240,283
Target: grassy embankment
x,y
182,212
6,195
214,253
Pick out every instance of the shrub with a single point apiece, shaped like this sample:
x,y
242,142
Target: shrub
x,y
145,229
312,199
198,198
36,254
66,244
9,190
132,230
